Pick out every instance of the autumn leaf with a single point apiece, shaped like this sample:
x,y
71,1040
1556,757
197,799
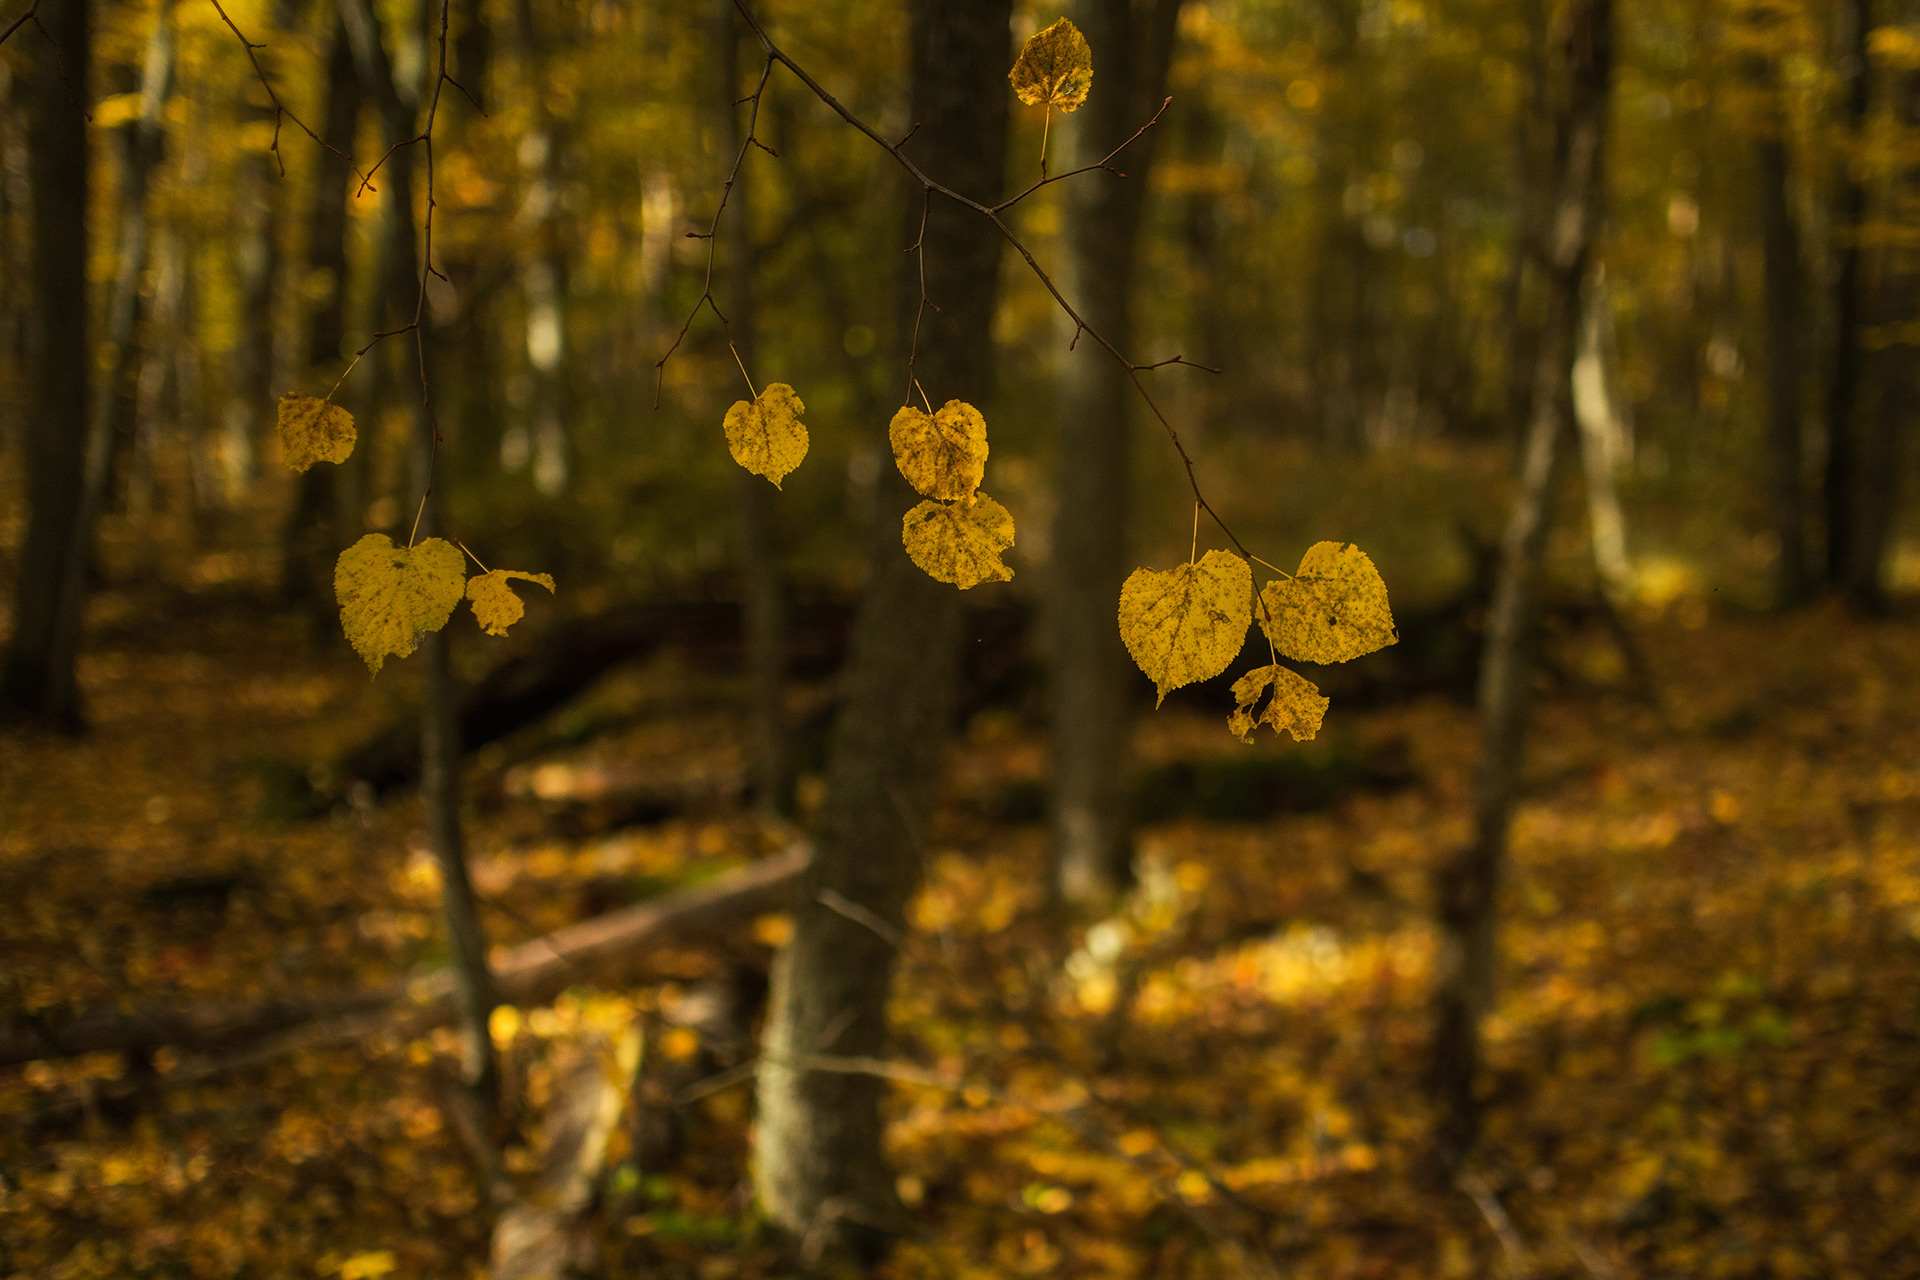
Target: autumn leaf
x,y
1188,623
1296,706
313,430
1055,68
1333,610
388,595
943,455
765,434
959,542
494,603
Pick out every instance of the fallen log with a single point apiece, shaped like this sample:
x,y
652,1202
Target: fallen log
x,y
603,949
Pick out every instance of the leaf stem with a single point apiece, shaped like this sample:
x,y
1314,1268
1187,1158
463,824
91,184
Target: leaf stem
x,y
1046,127
1194,551
471,556
743,368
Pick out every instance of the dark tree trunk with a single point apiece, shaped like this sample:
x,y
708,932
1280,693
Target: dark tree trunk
x,y
1467,884
764,596
820,1168
544,272
1892,373
440,728
38,683
1843,389
1092,675
1786,361
314,533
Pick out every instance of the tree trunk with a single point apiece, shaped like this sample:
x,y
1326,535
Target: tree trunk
x,y
1594,410
439,718
112,410
1891,418
1467,883
314,532
38,683
1092,675
543,274
1786,355
764,597
1843,390
820,1169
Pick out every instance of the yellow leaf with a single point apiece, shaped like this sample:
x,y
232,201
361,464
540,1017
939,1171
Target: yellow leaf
x,y
1334,610
1296,706
765,434
493,601
368,1266
1055,67
314,430
1188,623
959,542
388,595
943,455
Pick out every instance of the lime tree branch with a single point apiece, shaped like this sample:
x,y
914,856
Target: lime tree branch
x,y
992,212
712,234
280,110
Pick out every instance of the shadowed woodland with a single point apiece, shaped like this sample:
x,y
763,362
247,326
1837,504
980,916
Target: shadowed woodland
x,y
806,817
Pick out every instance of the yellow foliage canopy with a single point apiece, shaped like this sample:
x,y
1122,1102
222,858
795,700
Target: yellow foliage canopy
x,y
1335,609
1188,623
765,434
494,603
1296,706
959,542
943,454
388,595
314,430
1055,68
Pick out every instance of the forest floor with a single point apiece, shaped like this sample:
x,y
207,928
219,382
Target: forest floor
x,y
1705,1059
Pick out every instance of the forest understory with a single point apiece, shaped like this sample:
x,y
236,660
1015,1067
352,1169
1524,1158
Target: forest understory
x,y
1706,1032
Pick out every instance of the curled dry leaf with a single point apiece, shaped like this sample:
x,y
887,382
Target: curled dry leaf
x,y
1055,68
495,605
1188,623
388,595
1334,610
314,430
765,434
943,454
1296,706
959,542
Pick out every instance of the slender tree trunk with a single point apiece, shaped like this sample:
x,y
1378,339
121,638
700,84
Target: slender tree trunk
x,y
1467,884
820,1169
38,683
1594,411
544,272
1892,415
314,531
1091,677
765,597
1786,354
143,140
256,252
439,729
1843,391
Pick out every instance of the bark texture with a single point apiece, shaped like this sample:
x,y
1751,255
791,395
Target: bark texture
x,y
820,1170
1092,676
1467,884
38,683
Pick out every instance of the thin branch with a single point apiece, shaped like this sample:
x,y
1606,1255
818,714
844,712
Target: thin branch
x,y
31,15
992,213
280,109
1105,162
711,234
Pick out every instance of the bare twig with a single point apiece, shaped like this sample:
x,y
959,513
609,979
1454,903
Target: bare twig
x,y
711,234
280,109
991,212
